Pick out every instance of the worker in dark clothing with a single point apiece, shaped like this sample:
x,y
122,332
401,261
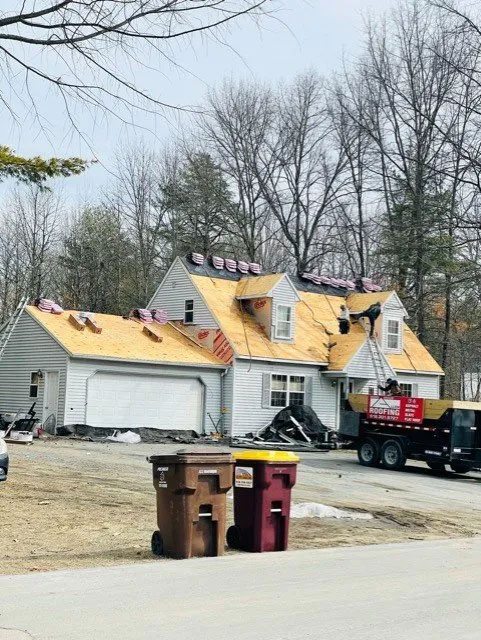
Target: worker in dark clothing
x,y
372,313
392,388
344,321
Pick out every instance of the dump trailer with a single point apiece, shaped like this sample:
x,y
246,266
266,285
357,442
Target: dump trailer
x,y
387,430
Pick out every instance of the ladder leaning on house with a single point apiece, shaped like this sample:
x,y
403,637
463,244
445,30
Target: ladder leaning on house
x,y
382,369
8,327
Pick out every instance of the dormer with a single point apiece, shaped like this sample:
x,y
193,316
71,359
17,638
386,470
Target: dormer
x,y
391,333
390,324
272,301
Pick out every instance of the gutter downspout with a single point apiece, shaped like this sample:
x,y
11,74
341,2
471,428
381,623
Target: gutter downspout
x,y
222,396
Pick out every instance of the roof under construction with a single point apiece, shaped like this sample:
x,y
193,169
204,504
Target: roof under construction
x,y
123,339
315,319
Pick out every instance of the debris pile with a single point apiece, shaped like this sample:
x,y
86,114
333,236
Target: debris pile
x,y
296,426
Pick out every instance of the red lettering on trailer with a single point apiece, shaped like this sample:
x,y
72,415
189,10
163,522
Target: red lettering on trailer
x,y
396,408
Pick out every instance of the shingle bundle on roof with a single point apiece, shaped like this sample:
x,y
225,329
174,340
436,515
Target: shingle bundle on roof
x,y
159,316
48,306
337,283
197,258
232,266
144,315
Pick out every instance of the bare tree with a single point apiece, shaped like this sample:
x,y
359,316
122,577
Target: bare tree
x,y
136,198
88,50
301,170
236,127
37,215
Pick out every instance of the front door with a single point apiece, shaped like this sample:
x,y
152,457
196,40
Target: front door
x,y
50,398
341,397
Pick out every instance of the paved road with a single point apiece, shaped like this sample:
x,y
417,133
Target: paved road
x,y
391,592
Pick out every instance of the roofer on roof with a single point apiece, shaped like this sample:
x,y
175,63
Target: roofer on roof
x,y
344,321
372,313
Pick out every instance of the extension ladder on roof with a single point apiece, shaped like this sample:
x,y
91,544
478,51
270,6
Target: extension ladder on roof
x,y
381,367
7,329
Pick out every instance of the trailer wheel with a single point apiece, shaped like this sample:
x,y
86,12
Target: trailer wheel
x,y
368,452
436,466
392,455
460,467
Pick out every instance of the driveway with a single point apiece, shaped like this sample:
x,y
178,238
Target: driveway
x,y
76,504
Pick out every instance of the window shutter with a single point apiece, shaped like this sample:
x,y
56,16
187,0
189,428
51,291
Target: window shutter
x,y
415,391
266,390
308,391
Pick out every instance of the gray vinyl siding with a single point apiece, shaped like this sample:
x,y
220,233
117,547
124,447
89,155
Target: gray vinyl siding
x,y
29,349
362,366
427,386
81,370
248,413
283,293
175,289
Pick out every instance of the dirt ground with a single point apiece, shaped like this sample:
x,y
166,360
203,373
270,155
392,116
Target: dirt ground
x,y
72,504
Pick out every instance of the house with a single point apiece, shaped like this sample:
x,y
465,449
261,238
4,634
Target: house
x,y
239,345
112,374
279,335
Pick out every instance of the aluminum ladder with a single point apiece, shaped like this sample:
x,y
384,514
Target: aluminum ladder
x,y
7,329
381,367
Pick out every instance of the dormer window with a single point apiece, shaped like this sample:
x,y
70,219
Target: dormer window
x,y
189,312
393,335
284,321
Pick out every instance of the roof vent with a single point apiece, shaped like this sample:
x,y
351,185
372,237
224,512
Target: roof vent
x,y
197,258
243,266
217,262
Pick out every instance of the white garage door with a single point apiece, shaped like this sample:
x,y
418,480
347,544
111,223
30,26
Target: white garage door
x,y
125,400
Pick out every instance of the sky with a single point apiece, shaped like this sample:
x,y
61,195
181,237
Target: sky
x,y
304,34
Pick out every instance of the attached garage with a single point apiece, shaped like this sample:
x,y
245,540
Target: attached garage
x,y
157,401
117,373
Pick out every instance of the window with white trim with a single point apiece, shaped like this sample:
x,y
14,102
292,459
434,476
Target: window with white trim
x,y
188,312
393,334
34,383
284,321
407,389
286,390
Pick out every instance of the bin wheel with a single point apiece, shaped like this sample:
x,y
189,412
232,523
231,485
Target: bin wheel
x,y
233,537
436,466
460,467
368,452
157,544
392,455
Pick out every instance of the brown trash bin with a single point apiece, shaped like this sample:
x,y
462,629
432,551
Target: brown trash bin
x,y
191,491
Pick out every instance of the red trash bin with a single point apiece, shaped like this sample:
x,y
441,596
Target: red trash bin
x,y
263,481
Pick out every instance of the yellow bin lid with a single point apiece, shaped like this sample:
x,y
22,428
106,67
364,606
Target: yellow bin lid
x,y
267,456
